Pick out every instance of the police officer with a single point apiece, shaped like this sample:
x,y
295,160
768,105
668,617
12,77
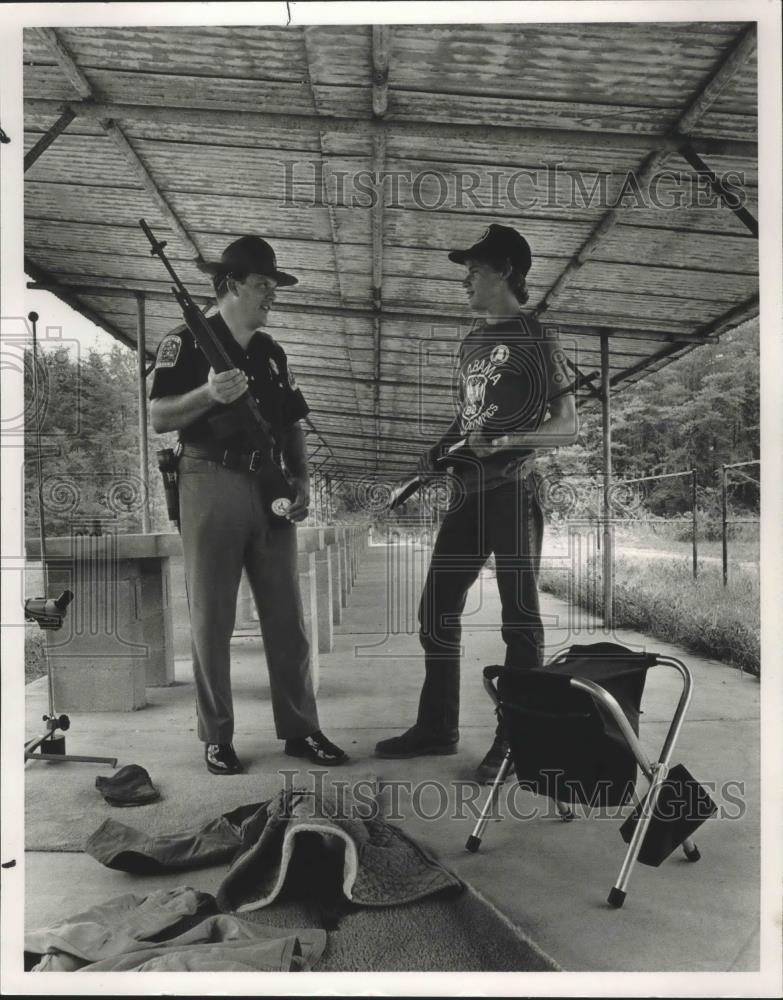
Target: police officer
x,y
225,518
513,398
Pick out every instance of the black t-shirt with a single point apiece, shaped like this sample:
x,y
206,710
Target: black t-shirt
x,y
181,367
506,375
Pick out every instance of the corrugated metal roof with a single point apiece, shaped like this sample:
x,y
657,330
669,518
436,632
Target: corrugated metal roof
x,y
221,116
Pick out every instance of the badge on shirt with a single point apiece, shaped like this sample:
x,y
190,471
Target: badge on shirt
x,y
168,352
499,354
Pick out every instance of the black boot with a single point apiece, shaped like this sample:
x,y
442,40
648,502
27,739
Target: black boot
x,y
436,731
490,765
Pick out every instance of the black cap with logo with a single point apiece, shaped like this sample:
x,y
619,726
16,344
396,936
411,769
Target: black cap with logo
x,y
248,255
498,243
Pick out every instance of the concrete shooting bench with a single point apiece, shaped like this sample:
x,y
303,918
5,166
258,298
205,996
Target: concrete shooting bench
x,y
118,636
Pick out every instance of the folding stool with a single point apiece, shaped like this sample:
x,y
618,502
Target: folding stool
x,y
573,732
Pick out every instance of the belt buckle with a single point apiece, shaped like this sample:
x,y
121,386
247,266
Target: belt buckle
x,y
255,461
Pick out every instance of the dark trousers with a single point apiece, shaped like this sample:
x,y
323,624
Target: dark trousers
x,y
225,527
507,522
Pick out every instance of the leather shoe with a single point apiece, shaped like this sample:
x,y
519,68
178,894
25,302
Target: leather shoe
x,y
490,765
221,759
316,748
415,742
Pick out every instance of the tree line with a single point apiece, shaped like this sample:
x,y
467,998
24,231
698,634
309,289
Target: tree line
x,y
696,413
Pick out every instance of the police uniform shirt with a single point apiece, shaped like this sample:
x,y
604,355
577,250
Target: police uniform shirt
x,y
507,374
181,366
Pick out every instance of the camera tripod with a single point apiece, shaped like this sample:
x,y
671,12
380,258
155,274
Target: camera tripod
x,y
53,745
49,614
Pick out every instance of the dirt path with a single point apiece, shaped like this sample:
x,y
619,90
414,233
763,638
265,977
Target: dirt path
x,y
640,553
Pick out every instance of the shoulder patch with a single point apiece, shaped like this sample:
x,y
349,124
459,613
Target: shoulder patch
x,y
168,351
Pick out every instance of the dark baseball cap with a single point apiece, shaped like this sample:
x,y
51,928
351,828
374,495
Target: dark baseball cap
x,y
498,243
248,255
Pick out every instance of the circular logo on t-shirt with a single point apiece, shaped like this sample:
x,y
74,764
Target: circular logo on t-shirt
x,y
502,387
499,355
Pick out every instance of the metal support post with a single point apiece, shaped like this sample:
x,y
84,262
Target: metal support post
x,y
141,353
606,434
695,525
724,524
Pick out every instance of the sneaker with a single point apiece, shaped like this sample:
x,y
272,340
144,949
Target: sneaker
x,y
415,743
221,759
487,770
316,748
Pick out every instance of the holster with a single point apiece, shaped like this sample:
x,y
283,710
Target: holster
x,y
168,460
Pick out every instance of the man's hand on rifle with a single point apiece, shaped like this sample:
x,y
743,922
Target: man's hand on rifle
x,y
483,447
301,502
225,387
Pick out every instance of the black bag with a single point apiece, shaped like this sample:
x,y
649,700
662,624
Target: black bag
x,y
683,805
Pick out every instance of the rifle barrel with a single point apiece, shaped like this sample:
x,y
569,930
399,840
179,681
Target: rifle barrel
x,y
216,353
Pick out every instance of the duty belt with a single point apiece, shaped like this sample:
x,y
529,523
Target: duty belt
x,y
249,461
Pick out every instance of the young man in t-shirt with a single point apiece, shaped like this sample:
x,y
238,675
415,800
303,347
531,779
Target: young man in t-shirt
x,y
513,398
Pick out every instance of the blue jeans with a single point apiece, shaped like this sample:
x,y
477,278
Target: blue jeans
x,y
506,521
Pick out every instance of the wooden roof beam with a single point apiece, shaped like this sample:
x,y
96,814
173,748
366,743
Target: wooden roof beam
x,y
309,34
66,62
48,138
688,153
381,47
742,49
43,279
119,288
381,58
739,53
84,88
512,136
728,321
147,181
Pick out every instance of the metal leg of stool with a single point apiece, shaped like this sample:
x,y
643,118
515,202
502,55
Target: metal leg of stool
x,y
474,840
619,890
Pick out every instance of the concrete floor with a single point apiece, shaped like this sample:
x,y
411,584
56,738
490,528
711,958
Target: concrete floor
x,y
550,878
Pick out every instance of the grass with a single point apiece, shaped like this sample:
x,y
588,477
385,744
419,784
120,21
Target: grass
x,y
663,600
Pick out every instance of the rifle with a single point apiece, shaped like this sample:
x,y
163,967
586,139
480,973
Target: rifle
x,y
270,473
405,490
